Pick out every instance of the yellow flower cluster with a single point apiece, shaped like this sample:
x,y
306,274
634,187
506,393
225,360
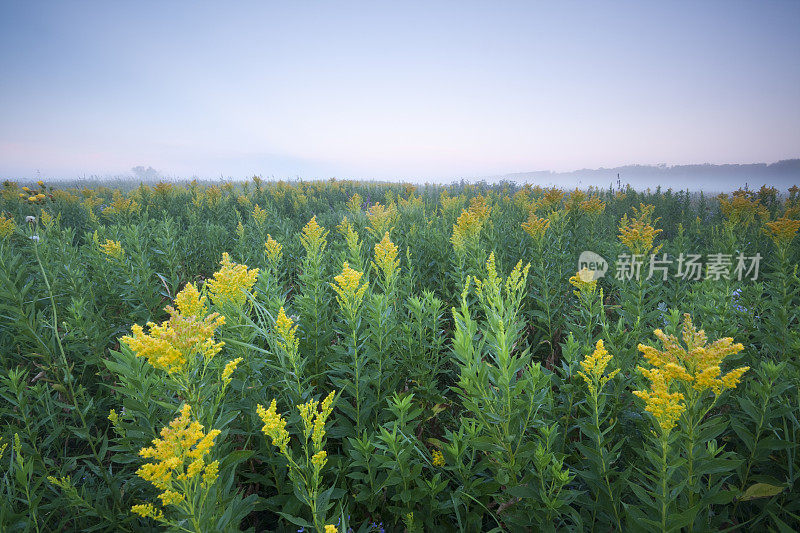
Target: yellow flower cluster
x,y
7,226
666,407
574,200
438,458
354,203
467,229
274,250
584,281
231,283
120,205
593,206
244,201
170,345
536,227
490,289
551,198
741,211
229,369
346,229
330,528
694,363
47,219
314,415
180,460
594,367
259,215
450,204
274,426
386,258
782,231
32,196
148,510
314,237
348,287
382,218
638,233
113,249
287,332
190,302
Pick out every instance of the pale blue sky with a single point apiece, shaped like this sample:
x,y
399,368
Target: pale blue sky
x,y
393,89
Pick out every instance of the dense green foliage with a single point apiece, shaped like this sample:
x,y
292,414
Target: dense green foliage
x,y
460,355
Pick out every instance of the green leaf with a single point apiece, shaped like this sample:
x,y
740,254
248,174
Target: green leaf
x,y
761,490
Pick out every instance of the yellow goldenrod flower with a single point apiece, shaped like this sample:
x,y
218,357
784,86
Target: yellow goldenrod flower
x,y
274,426
179,456
689,362
319,459
574,200
695,361
348,287
466,231
536,227
382,218
243,201
259,215
551,198
274,250
120,205
741,210
113,249
170,345
666,407
326,407
386,259
190,303
313,237
287,332
231,283
7,226
47,219
147,510
350,236
354,203
211,473
438,458
594,367
637,233
782,231
330,528
593,206
229,369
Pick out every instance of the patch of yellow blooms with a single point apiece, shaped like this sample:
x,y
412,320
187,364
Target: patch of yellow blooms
x,y
594,368
638,233
386,258
187,333
231,283
179,466
694,364
7,226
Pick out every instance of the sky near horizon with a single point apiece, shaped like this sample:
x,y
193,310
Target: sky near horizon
x,y
389,90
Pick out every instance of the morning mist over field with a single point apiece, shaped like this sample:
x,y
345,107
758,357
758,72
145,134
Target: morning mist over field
x,y
411,92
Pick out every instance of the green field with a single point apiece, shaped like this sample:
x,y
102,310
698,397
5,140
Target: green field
x,y
354,356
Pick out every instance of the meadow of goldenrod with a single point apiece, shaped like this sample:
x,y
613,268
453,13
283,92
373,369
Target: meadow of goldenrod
x,y
343,356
